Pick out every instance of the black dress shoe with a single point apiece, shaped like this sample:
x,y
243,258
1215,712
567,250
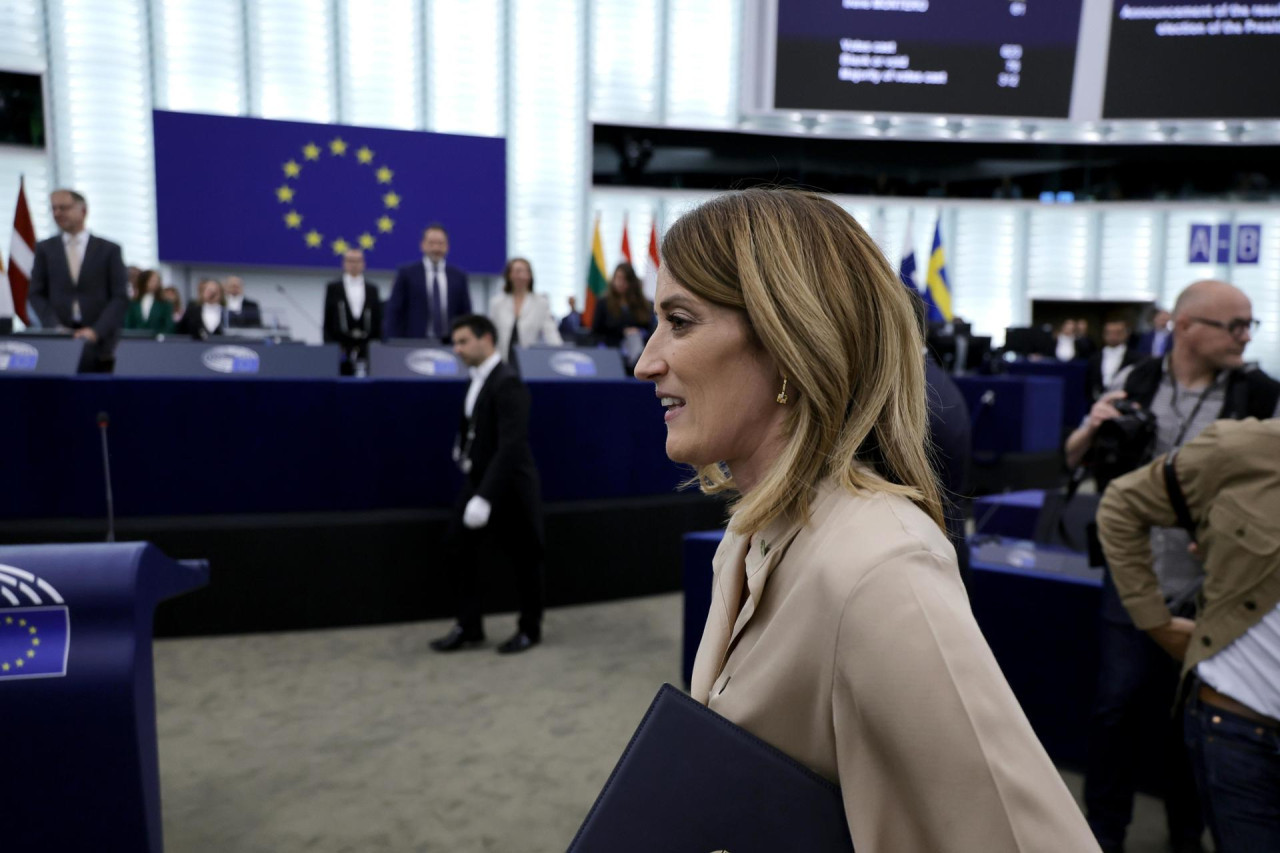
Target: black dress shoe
x,y
519,642
457,638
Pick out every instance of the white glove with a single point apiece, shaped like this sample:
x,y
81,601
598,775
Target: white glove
x,y
476,515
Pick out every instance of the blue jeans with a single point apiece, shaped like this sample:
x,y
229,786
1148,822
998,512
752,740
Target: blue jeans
x,y
1237,767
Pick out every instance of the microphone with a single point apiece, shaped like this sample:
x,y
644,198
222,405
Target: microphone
x,y
296,307
103,420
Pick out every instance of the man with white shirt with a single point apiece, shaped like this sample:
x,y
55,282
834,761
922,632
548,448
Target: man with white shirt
x,y
498,515
428,294
79,283
1064,346
352,313
1108,361
242,312
1229,481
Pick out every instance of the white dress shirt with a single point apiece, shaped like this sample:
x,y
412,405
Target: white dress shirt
x,y
354,286
235,303
478,377
148,300
436,278
1112,359
210,316
1248,670
1066,350
77,243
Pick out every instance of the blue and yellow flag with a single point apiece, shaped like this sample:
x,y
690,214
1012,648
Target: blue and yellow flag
x,y
937,292
33,642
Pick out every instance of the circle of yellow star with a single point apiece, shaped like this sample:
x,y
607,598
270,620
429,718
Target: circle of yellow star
x,y
366,240
311,151
293,219
292,169
391,200
385,224
338,147
314,239
365,154
19,663
31,630
284,193
35,641
31,653
22,622
339,246
8,620
384,175
4,667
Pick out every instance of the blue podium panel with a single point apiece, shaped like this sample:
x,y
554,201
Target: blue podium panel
x,y
229,359
388,361
40,356
77,694
1014,514
1023,413
1075,393
582,363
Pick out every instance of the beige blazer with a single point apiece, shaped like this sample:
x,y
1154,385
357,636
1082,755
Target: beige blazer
x,y
856,653
537,326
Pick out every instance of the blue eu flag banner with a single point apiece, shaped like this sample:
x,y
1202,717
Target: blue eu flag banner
x,y
33,642
253,192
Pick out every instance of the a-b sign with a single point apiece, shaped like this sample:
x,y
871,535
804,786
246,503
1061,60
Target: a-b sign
x,y
1211,244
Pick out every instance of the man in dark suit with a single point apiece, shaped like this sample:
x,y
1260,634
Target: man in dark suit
x,y
242,312
352,312
1156,341
1115,355
429,294
78,282
498,514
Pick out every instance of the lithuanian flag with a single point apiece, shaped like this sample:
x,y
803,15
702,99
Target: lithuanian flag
x,y
597,282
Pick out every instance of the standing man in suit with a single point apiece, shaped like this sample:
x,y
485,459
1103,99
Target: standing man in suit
x,y
1156,341
352,312
242,312
429,294
1115,355
498,514
78,282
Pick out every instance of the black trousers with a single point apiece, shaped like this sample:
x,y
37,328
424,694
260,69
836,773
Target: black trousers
x,y
508,548
1137,681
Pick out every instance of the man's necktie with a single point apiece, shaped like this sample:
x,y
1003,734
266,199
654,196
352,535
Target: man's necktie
x,y
437,321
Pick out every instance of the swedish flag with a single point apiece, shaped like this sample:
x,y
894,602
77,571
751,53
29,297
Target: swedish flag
x,y
937,292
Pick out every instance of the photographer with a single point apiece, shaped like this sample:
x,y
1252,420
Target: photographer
x,y
1153,407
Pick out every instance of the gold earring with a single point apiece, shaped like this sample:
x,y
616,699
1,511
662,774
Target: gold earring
x,y
782,395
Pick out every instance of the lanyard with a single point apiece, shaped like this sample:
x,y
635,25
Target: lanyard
x,y
1186,423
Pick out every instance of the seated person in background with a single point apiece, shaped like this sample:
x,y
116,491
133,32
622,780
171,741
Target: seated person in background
x,y
1064,341
624,318
242,313
1085,348
352,312
150,310
133,274
207,318
571,325
521,316
170,294
1114,355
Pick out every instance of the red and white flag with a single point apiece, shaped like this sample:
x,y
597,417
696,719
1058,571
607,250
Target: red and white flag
x,y
651,274
626,242
22,252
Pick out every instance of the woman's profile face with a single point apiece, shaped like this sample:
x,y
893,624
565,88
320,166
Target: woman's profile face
x,y
717,386
520,276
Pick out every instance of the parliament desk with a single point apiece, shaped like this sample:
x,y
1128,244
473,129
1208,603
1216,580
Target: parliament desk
x,y
1075,390
1017,431
323,502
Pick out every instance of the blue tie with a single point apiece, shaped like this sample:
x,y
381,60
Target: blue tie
x,y
437,322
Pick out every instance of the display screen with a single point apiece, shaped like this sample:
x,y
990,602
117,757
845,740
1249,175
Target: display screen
x,y
21,109
996,58
1210,60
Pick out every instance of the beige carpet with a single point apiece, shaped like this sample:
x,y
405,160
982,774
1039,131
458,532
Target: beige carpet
x,y
364,740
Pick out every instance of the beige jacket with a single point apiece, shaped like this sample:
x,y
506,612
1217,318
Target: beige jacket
x,y
1230,478
856,653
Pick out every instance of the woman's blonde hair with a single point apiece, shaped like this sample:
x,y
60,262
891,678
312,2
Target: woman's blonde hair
x,y
824,303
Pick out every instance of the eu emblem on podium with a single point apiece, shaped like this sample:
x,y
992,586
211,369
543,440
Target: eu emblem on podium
x,y
35,627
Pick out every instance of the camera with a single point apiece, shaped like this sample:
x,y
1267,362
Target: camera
x,y
1123,443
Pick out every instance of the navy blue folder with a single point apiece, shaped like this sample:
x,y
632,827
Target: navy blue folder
x,y
690,781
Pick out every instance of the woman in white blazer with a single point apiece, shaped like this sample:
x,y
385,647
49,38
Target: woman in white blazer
x,y
521,316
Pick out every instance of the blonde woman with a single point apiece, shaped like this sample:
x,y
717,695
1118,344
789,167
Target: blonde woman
x,y
521,316
787,356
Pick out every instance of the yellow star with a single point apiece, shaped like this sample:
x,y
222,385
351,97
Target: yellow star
x,y
311,151
284,193
385,224
337,147
35,641
292,169
8,620
4,667
391,200
366,241
293,219
384,175
314,239
339,246
365,155
31,630
22,622
31,653
19,663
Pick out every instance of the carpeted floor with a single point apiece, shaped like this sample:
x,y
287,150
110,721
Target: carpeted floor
x,y
364,740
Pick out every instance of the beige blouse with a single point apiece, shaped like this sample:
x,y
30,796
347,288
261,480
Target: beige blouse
x,y
856,653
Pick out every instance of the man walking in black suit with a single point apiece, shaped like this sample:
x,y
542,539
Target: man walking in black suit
x,y
79,283
498,515
352,312
429,294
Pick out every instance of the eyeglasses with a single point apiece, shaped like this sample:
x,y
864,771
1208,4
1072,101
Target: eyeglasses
x,y
1235,327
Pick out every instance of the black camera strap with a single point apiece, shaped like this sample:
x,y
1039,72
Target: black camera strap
x,y
1177,499
1185,423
